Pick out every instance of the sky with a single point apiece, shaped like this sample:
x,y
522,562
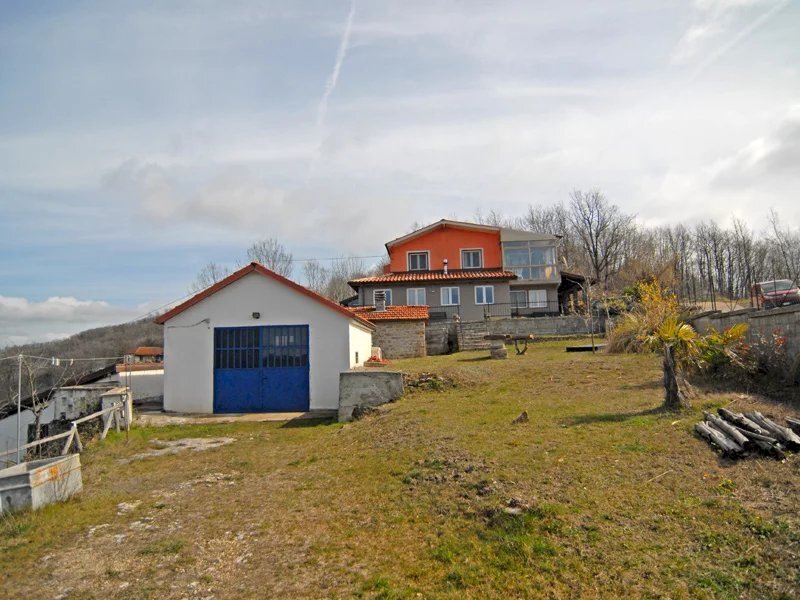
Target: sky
x,y
141,140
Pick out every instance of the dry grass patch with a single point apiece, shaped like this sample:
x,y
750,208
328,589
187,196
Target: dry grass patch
x,y
600,494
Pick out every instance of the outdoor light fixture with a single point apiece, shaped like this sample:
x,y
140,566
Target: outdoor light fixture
x,y
256,315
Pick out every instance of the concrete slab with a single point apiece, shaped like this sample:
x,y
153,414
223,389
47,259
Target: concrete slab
x,y
161,419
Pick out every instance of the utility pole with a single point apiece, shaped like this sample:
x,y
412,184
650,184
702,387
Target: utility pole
x,y
19,408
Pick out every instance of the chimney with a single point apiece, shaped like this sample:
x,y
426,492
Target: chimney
x,y
445,266
380,300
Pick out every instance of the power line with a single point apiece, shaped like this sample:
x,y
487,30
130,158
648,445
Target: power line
x,y
62,359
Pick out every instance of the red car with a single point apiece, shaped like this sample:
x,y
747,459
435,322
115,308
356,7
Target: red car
x,y
778,292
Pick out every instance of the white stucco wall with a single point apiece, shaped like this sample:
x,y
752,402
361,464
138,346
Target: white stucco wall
x,y
189,342
360,343
144,384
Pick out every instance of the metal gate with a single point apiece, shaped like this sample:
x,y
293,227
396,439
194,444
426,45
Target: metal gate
x,y
261,369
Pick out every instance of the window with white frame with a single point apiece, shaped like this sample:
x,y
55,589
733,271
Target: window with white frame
x,y
519,298
415,297
418,261
529,298
388,295
484,294
472,259
451,296
537,298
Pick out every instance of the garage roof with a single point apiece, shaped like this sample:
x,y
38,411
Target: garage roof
x,y
255,267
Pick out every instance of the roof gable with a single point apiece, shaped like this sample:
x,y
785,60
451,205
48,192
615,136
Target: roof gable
x,y
440,225
255,267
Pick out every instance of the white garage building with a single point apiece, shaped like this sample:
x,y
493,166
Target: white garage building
x,y
258,342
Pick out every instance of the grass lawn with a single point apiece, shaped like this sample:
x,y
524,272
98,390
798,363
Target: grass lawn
x,y
615,498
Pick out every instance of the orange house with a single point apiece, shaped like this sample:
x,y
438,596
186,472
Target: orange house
x,y
457,246
467,271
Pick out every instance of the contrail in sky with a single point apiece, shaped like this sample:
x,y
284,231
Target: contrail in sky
x,y
715,56
337,67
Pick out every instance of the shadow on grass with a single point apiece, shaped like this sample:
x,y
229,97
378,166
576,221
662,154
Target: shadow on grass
x,y
306,422
615,417
656,384
475,359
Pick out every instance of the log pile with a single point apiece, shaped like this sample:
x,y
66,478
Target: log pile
x,y
737,434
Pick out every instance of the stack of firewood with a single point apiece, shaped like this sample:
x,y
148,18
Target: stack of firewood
x,y
737,434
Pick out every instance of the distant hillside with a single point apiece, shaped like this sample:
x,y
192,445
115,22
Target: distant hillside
x,y
113,340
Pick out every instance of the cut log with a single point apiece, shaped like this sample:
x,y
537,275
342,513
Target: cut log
x,y
789,438
770,449
718,439
741,421
794,424
727,429
756,437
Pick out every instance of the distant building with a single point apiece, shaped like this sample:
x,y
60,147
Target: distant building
x,y
147,354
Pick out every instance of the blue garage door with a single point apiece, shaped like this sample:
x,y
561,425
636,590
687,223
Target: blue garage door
x,y
261,369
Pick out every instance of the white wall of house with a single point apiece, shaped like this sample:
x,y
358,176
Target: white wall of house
x,y
360,344
189,340
144,384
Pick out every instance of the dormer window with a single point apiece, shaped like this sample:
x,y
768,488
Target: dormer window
x,y
418,261
472,259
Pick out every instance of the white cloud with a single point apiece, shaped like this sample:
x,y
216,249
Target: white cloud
x,y
235,199
717,18
767,160
23,320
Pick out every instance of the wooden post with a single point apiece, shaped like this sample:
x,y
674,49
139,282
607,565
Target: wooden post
x,y
69,442
106,427
77,437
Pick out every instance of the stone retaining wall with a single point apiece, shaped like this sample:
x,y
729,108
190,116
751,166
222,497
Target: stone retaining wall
x,y
440,337
400,339
450,336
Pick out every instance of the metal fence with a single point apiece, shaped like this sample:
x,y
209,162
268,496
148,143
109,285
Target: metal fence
x,y
529,310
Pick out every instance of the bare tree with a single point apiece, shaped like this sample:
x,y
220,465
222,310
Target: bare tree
x,y
316,276
208,276
786,245
493,218
601,229
273,255
42,380
341,271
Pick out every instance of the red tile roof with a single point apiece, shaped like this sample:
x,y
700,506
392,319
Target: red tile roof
x,y
392,313
452,275
255,267
148,351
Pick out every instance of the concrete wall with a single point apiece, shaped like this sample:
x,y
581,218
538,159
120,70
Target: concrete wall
x,y
785,321
367,388
400,339
189,340
360,344
40,482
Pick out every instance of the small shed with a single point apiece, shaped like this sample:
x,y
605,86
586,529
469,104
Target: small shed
x,y
399,330
259,342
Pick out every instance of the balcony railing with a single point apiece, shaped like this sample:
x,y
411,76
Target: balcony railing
x,y
531,310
